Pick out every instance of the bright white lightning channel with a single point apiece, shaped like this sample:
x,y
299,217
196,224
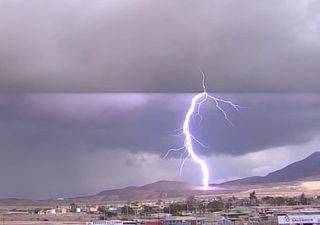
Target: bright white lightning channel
x,y
193,110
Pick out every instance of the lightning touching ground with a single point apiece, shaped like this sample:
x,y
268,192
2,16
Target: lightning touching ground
x,y
194,110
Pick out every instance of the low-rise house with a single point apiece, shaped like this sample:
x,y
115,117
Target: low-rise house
x,y
93,209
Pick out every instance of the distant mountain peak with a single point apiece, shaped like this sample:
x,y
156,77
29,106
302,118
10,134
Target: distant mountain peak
x,y
307,168
154,190
314,154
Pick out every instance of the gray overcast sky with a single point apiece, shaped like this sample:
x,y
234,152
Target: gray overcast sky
x,y
73,144
265,54
158,46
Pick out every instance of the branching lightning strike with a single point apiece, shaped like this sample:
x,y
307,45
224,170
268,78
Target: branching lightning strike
x,y
194,110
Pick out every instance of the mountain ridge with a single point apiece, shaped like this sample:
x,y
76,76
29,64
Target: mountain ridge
x,y
306,168
158,189
302,170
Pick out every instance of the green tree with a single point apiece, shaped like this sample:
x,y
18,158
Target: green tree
x,y
279,201
192,203
304,199
148,210
292,201
253,197
176,208
127,210
102,209
267,200
215,206
73,207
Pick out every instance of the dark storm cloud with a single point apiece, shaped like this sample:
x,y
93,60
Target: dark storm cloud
x,y
62,122
271,120
73,144
246,46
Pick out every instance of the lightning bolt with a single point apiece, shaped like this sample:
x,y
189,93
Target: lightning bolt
x,y
194,110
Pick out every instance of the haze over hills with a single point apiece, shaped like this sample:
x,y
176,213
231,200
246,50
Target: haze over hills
x,y
303,170
159,189
156,190
306,169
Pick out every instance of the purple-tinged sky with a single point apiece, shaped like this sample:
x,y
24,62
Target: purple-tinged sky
x,y
72,144
265,53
